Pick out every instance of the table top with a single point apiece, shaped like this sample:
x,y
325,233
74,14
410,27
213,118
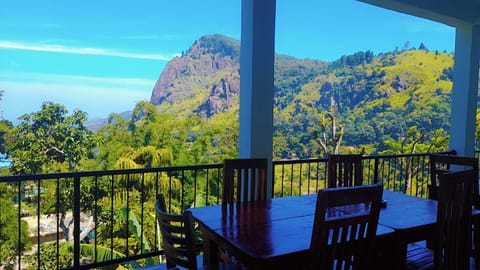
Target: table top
x,y
282,227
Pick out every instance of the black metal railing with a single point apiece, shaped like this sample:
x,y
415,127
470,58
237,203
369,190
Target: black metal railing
x,y
106,218
407,173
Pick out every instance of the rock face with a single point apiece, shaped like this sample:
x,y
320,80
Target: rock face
x,y
208,71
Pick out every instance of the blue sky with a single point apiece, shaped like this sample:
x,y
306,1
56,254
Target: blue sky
x,y
104,56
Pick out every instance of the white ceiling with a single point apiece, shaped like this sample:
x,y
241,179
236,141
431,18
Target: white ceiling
x,y
450,12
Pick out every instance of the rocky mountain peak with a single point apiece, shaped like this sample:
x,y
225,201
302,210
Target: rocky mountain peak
x,y
211,64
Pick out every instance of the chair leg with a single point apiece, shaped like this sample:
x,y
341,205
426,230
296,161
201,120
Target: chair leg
x,y
476,243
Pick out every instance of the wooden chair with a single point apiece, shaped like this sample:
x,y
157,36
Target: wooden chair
x,y
244,179
443,163
344,227
439,164
452,238
345,170
179,239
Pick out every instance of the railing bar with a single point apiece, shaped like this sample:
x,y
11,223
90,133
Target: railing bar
x,y
95,218
383,171
142,199
170,193
194,188
417,161
76,221
426,175
368,165
282,181
394,174
156,195
38,223
206,188
57,210
291,180
128,214
219,187
34,177
112,215
183,191
308,176
300,179
325,171
421,174
19,249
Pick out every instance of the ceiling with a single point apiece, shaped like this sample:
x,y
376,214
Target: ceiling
x,y
450,12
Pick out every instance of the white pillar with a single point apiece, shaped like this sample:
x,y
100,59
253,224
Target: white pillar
x,y
465,89
256,80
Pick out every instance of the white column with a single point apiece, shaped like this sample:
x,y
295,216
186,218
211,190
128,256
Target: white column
x,y
465,89
256,80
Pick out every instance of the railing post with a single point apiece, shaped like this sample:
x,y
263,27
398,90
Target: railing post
x,y
375,170
273,180
76,221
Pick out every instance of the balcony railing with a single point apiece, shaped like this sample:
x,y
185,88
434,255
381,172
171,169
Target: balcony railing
x,y
87,220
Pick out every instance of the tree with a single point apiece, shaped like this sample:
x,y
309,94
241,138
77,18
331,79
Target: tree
x,y
115,139
416,141
423,47
49,137
10,245
329,136
6,128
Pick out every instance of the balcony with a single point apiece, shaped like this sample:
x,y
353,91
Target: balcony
x,y
87,220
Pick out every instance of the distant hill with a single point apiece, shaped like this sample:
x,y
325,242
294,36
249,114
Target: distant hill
x,y
96,124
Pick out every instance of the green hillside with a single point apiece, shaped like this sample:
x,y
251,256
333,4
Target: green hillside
x,y
375,101
374,98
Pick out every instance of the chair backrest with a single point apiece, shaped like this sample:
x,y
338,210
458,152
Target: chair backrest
x,y
177,235
244,179
440,164
345,170
344,227
454,220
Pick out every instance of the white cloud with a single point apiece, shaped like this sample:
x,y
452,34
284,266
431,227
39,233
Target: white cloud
x,y
55,79
153,37
97,96
73,50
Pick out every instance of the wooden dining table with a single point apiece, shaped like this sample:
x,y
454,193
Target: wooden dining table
x,y
276,233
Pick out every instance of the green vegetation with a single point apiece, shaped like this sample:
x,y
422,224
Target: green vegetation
x,y
49,138
389,104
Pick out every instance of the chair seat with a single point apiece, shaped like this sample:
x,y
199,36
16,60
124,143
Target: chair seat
x,y
419,257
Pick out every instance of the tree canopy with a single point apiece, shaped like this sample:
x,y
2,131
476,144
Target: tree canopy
x,y
50,136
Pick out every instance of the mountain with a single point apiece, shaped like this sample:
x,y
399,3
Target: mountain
x,y
373,96
207,77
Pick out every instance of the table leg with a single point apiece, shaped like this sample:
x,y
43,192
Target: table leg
x,y
210,251
476,242
392,254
